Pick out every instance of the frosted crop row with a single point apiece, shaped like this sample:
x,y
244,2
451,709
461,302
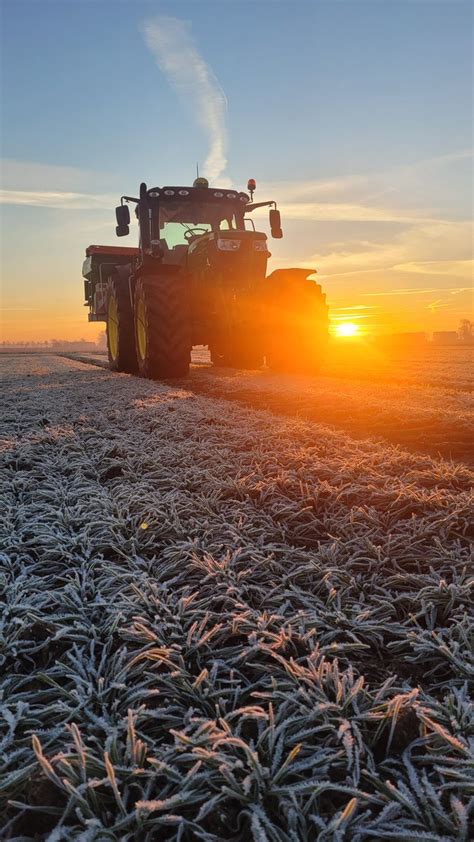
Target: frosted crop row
x,y
427,418
448,367
223,624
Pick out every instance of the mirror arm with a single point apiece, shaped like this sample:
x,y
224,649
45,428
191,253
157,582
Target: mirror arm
x,y
252,207
128,199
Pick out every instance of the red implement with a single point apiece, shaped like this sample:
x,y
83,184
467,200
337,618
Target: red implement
x,y
128,252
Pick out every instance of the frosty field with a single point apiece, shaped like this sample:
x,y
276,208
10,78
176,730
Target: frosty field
x,y
223,619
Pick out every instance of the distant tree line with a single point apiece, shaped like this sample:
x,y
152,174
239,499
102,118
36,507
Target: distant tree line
x,y
464,335
59,344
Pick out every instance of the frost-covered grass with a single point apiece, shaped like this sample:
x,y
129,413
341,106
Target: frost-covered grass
x,y
448,366
222,624
427,418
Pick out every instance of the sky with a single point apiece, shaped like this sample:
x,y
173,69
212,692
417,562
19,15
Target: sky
x,y
356,116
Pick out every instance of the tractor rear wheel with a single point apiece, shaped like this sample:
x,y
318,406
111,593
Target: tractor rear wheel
x,y
162,326
297,322
119,326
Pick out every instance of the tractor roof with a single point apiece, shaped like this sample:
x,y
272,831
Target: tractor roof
x,y
196,204
197,194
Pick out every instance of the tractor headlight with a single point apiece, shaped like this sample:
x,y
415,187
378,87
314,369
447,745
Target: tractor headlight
x,y
259,245
228,244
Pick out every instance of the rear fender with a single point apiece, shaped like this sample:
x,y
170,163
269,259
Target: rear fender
x,y
286,275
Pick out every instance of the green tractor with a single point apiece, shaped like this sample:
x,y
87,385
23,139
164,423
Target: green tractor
x,y
199,277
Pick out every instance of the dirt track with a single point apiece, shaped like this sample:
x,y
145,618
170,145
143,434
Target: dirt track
x,y
190,581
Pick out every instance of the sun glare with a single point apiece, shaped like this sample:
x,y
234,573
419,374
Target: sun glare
x,y
347,329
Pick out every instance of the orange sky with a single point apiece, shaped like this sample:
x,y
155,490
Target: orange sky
x,y
418,278
356,125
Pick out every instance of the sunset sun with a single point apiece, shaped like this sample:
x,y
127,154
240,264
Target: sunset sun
x,y
347,329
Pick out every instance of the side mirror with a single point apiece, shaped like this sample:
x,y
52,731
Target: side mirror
x,y
122,230
122,214
275,224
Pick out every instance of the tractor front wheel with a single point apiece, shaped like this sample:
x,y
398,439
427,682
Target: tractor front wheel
x,y
162,326
119,327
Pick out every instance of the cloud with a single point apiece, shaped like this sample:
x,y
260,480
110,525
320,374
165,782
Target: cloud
x,y
348,212
458,268
355,307
411,291
434,306
33,176
428,248
356,197
34,184
352,316
315,189
171,42
57,199
437,160
292,190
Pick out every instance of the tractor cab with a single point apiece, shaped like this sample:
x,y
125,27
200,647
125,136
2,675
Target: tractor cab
x,y
174,219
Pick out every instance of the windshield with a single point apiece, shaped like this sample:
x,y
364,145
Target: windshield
x,y
174,232
178,217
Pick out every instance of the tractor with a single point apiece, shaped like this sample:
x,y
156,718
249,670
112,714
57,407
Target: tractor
x,y
199,277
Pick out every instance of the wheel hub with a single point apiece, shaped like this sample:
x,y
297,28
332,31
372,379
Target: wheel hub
x,y
141,326
112,327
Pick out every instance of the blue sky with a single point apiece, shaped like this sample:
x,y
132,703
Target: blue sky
x,y
356,115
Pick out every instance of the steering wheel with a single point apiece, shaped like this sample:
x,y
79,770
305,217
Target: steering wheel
x,y
190,233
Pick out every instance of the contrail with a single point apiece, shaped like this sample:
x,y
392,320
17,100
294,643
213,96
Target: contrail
x,y
171,42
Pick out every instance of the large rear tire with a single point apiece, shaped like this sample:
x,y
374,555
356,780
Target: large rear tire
x,y
297,322
119,326
162,326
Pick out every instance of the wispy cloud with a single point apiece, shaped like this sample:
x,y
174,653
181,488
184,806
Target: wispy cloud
x,y
35,184
354,307
439,160
458,268
356,197
171,42
54,199
351,212
439,304
410,291
428,247
339,183
43,177
350,316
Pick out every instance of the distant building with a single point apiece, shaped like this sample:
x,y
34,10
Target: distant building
x,y
445,337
